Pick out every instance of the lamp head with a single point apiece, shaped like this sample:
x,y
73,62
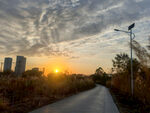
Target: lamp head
x,y
116,30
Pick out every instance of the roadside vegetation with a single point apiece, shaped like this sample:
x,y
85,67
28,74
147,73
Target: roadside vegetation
x,y
32,90
120,81
101,77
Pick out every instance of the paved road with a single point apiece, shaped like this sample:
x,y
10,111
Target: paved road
x,y
97,100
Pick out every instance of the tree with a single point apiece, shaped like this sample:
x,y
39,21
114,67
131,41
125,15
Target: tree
x,y
7,73
100,76
99,71
122,63
32,73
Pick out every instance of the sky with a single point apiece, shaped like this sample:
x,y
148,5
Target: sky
x,y
73,35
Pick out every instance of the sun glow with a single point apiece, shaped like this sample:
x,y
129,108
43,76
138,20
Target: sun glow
x,y
56,71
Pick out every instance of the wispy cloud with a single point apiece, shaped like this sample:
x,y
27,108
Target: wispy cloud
x,y
40,27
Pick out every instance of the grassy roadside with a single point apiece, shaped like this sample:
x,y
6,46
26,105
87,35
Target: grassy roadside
x,y
21,95
126,104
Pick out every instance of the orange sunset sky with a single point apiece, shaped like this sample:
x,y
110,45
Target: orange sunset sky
x,y
73,35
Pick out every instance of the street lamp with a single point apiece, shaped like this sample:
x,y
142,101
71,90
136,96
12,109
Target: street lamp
x,y
132,36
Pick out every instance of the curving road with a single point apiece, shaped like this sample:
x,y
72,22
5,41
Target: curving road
x,y
97,100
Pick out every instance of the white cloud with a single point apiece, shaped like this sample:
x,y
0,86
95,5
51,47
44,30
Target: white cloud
x,y
39,27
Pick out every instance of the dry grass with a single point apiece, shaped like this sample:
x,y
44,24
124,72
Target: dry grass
x,y
38,91
121,81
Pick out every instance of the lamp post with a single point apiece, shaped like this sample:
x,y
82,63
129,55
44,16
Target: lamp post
x,y
132,36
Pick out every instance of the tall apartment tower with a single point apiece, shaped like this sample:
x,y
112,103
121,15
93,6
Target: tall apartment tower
x,y
20,65
7,64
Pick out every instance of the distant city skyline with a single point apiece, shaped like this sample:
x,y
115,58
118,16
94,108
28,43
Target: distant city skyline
x,y
19,67
74,35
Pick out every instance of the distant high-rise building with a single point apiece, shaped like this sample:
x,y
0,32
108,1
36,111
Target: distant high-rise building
x,y
20,65
7,64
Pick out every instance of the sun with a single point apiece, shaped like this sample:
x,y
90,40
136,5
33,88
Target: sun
x,y
56,71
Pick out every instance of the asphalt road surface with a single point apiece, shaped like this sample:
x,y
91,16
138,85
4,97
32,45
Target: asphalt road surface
x,y
97,100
